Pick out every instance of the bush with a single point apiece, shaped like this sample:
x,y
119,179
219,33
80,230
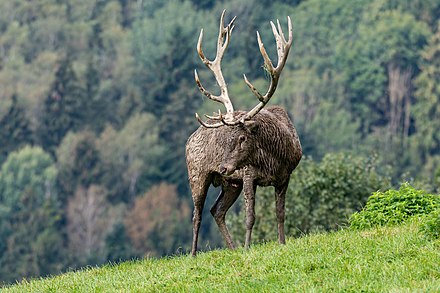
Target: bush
x,y
431,224
321,197
394,207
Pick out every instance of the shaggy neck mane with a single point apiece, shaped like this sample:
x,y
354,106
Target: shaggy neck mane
x,y
272,146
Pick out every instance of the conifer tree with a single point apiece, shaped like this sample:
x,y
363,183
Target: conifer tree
x,y
15,130
63,108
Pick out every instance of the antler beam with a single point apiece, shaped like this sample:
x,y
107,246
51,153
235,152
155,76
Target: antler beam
x,y
283,47
215,66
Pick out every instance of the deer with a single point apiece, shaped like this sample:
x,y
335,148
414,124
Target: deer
x,y
240,150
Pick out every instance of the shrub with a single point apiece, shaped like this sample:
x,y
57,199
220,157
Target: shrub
x,y
394,207
431,224
321,196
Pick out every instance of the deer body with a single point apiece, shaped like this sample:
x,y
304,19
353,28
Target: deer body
x,y
242,150
271,153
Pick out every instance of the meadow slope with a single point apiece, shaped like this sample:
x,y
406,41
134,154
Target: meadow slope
x,y
387,259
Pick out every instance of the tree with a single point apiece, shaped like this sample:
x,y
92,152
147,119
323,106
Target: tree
x,y
132,157
203,4
378,69
118,244
423,10
64,107
15,131
426,139
79,163
154,222
330,129
90,218
30,224
385,53
313,87
36,244
167,63
27,167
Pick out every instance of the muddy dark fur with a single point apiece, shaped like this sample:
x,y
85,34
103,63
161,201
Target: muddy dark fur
x,y
260,152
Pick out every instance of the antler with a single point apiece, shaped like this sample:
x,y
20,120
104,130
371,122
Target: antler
x,y
283,48
215,67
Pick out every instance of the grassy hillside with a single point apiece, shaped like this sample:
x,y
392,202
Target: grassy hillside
x,y
387,259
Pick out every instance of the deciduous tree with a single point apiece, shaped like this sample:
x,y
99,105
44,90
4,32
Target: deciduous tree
x,y
89,220
426,139
30,221
154,224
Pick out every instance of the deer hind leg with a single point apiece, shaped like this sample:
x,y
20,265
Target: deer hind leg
x,y
225,200
280,200
199,192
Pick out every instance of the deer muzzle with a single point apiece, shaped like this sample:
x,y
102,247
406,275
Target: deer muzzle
x,y
226,169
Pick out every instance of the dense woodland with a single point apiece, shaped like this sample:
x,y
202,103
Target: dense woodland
x,y
97,99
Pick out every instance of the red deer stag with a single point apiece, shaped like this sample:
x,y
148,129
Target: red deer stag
x,y
241,150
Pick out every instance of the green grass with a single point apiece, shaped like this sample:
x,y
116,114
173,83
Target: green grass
x,y
396,259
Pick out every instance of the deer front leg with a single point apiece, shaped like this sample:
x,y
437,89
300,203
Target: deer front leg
x,y
280,197
197,220
225,200
249,199
199,195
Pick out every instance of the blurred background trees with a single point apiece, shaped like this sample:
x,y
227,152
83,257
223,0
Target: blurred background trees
x,y
97,99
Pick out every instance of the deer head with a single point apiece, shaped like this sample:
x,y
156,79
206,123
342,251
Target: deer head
x,y
224,36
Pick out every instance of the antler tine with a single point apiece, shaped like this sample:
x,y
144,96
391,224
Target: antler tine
x,y
208,125
215,66
218,117
283,48
223,32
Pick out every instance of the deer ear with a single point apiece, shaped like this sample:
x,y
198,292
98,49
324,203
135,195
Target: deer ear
x,y
251,126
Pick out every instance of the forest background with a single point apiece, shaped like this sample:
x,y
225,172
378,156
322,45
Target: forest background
x,y
97,99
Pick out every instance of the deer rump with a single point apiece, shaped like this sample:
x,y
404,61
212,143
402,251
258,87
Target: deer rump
x,y
267,156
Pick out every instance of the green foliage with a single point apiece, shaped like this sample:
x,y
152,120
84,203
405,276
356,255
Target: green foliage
x,y
28,168
30,219
324,194
427,109
431,224
394,207
164,65
131,156
330,130
35,245
118,244
164,59
15,129
64,107
424,10
385,37
321,196
79,163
